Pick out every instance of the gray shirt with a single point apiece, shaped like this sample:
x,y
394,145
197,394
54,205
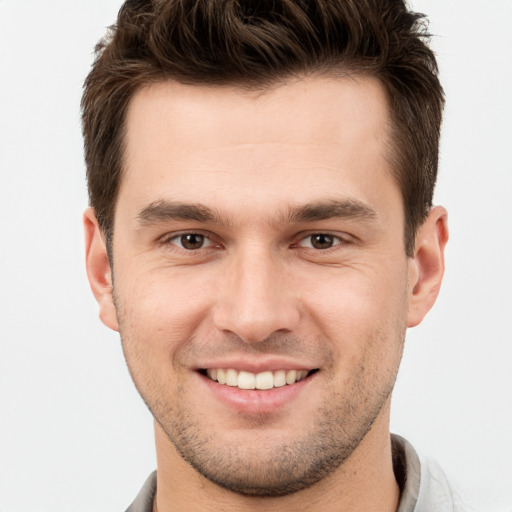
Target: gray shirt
x,y
423,485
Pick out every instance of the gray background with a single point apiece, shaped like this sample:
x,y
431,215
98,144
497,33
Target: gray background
x,y
73,432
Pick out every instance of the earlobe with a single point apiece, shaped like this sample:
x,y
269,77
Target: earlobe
x,y
426,267
98,269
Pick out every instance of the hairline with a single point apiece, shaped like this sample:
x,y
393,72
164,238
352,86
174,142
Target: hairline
x,y
392,153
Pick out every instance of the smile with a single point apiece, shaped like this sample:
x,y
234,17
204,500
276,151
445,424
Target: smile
x,y
262,381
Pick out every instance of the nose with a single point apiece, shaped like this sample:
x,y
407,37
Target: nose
x,y
256,298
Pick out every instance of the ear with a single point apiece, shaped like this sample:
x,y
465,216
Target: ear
x,y
426,267
98,269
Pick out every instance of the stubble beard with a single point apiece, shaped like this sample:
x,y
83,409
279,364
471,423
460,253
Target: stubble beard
x,y
277,468
273,470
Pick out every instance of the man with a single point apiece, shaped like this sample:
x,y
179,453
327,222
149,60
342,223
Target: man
x,y
261,233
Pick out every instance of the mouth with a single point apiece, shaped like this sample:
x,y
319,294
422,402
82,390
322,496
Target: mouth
x,y
265,380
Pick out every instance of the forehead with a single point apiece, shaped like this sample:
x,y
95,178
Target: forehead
x,y
309,108
288,143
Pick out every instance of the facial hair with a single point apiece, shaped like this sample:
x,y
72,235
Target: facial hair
x,y
274,464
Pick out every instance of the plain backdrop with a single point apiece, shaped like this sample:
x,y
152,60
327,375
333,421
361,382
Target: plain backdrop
x,y
74,434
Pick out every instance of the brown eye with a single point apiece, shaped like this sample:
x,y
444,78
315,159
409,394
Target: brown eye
x,y
322,241
191,241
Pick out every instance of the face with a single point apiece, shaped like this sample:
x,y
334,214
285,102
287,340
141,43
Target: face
x,y
261,286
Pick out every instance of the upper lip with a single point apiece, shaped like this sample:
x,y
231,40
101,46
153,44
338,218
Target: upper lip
x,y
256,366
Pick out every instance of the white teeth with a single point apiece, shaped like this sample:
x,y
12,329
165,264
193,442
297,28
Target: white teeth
x,y
231,377
262,381
246,380
265,380
221,376
279,378
291,377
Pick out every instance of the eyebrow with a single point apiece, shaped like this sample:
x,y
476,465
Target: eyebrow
x,y
162,211
331,209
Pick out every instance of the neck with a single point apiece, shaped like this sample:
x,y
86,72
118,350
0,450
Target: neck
x,y
365,481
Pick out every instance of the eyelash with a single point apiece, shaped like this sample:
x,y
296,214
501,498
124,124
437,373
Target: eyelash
x,y
337,241
177,237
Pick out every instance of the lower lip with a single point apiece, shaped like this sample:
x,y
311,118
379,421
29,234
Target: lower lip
x,y
253,401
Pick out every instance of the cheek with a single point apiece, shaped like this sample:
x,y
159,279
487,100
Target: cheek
x,y
158,317
168,300
356,307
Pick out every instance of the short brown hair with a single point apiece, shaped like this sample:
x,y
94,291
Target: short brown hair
x,y
254,44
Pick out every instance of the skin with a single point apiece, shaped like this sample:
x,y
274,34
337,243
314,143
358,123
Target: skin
x,y
258,175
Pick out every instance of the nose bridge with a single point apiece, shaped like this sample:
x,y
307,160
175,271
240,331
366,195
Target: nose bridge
x,y
257,298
